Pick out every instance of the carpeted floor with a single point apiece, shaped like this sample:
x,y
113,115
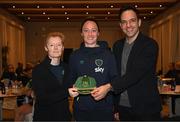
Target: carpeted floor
x,y
8,115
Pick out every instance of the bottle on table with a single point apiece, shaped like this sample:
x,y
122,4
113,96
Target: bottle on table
x,y
2,88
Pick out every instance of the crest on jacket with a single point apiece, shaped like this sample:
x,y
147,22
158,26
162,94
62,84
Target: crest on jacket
x,y
99,63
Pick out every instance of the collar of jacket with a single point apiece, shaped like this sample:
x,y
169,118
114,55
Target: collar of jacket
x,y
95,50
47,61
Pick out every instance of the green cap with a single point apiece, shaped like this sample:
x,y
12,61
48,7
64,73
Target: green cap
x,y
85,84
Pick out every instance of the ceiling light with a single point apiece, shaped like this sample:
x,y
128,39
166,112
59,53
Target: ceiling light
x,y
37,6
65,12
112,6
144,17
44,12
14,6
87,13
160,6
67,18
29,18
151,12
87,6
109,12
48,17
62,6
22,13
136,6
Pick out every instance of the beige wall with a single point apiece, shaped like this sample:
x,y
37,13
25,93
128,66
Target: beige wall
x,y
36,32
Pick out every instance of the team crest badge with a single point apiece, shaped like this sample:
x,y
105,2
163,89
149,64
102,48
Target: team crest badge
x,y
99,63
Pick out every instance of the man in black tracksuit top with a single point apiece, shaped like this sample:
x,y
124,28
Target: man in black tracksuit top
x,y
83,62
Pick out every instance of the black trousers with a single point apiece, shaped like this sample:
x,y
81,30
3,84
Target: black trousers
x,y
127,114
173,103
94,115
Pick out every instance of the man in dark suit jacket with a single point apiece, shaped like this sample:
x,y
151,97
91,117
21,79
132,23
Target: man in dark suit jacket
x,y
136,84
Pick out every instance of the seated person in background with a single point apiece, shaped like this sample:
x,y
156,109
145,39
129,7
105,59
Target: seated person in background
x,y
174,72
28,70
9,73
171,72
27,73
26,107
9,76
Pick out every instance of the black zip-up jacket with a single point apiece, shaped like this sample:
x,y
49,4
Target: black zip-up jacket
x,y
51,94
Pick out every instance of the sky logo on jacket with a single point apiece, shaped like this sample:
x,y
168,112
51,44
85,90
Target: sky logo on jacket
x,y
99,63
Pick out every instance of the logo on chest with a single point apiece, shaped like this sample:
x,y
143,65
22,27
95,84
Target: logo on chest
x,y
99,63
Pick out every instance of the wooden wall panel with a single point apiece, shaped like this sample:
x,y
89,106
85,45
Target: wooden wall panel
x,y
15,43
166,44
166,32
156,34
1,41
177,51
12,37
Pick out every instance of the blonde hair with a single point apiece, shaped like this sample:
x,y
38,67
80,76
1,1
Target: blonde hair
x,y
55,34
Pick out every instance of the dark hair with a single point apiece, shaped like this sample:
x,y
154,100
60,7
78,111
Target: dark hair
x,y
128,7
89,19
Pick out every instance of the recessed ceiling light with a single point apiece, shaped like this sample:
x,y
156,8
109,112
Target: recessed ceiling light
x,y
87,12
109,12
160,6
151,12
144,17
38,6
62,6
29,18
44,12
87,6
67,18
136,6
22,13
112,6
14,6
106,18
48,17
65,12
